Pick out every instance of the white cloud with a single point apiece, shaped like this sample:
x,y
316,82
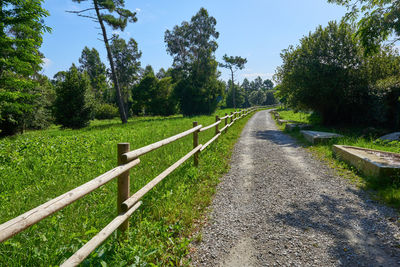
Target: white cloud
x,y
46,63
256,74
117,32
138,10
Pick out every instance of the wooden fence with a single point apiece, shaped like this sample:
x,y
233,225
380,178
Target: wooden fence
x,y
126,204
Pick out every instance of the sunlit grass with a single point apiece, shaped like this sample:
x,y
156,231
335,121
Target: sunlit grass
x,y
386,190
40,165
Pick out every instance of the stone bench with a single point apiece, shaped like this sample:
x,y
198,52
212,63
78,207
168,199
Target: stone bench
x,y
315,137
370,162
292,126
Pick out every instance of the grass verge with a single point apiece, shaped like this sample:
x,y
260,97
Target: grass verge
x,y
40,165
383,190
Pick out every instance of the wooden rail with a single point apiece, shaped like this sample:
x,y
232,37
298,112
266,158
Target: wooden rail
x,y
126,204
16,225
141,151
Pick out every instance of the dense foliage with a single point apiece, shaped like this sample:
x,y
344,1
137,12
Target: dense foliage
x,y
21,30
113,14
192,46
73,105
330,74
154,96
379,21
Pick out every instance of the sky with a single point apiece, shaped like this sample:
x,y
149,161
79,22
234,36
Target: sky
x,y
255,29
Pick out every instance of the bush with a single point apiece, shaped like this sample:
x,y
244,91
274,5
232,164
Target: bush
x,y
74,103
329,73
105,111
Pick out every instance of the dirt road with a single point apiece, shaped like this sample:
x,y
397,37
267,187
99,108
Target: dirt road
x,y
279,206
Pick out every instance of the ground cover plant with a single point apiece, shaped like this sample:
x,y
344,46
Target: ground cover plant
x,y
387,191
40,165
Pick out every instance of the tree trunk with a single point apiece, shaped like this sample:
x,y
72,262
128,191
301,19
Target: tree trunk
x,y
122,112
233,91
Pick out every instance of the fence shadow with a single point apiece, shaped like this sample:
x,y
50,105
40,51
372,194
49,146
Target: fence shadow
x,y
355,235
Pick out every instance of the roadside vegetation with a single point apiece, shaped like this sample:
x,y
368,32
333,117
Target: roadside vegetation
x,y
345,78
385,190
40,165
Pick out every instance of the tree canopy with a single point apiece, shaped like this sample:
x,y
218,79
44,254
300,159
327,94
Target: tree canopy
x,y
113,14
329,73
233,64
379,20
192,46
21,30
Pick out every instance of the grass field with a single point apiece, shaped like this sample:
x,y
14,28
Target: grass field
x,y
387,191
40,165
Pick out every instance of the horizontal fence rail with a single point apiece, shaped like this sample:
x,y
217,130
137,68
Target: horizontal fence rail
x,y
127,205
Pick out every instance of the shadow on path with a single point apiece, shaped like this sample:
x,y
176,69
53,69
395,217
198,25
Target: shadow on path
x,y
356,236
277,137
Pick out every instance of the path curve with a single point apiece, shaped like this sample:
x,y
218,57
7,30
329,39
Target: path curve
x,y
279,206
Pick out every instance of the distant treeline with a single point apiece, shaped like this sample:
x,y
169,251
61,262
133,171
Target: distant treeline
x,y
191,86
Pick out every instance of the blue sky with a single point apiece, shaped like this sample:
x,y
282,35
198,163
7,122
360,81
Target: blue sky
x,y
255,29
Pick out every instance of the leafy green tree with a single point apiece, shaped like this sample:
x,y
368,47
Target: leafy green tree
x,y
268,84
379,21
192,46
126,58
257,84
74,103
161,73
239,95
322,74
257,98
143,91
233,64
270,98
117,17
154,96
330,74
41,116
21,30
91,63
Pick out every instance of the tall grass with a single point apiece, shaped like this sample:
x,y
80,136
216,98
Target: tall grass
x,y
40,165
385,190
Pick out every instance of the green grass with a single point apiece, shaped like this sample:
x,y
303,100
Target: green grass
x,y
384,190
40,165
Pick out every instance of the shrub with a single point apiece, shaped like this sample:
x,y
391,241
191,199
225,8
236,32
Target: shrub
x,y
105,111
74,102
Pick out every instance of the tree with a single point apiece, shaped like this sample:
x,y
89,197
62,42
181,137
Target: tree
x,y
21,30
329,73
154,96
193,42
192,46
233,64
268,84
257,98
239,95
91,63
73,105
380,21
117,18
127,65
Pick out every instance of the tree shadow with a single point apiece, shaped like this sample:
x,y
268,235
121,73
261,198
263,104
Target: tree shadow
x,y
277,137
356,235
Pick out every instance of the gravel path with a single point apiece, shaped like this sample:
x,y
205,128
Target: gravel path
x,y
279,206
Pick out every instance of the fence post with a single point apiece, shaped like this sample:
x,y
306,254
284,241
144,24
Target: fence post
x,y
195,144
216,126
123,184
231,116
226,121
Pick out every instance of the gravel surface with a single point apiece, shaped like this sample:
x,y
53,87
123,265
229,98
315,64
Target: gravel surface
x,y
279,206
